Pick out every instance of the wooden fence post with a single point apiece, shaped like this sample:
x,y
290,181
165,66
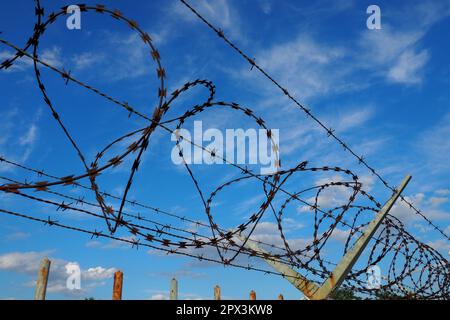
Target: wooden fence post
x,y
117,287
174,289
41,284
217,293
252,295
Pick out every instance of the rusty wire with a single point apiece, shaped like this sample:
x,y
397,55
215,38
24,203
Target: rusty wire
x,y
415,269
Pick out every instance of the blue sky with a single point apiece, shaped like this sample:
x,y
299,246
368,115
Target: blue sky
x,y
384,91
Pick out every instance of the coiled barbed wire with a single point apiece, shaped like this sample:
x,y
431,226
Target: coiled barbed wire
x,y
415,269
330,131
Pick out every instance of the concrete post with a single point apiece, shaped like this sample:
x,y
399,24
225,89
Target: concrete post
x,y
41,285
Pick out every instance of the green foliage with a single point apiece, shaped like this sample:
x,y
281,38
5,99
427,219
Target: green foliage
x,y
388,295
344,294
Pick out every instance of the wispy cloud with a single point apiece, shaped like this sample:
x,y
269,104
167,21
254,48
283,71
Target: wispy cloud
x,y
312,68
112,244
430,208
29,137
408,67
86,60
440,245
52,55
28,263
219,12
159,296
181,274
18,142
434,145
304,63
19,235
352,118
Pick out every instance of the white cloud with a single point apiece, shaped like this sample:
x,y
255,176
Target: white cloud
x,y
98,273
332,196
340,235
18,65
159,296
367,182
268,233
86,60
131,59
19,136
52,56
386,45
311,68
18,236
434,146
430,12
303,63
112,244
403,212
436,201
353,118
429,208
440,245
394,54
394,51
219,12
443,192
22,262
28,263
30,136
408,67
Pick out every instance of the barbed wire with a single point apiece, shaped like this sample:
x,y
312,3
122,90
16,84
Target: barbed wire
x,y
292,196
393,245
330,132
